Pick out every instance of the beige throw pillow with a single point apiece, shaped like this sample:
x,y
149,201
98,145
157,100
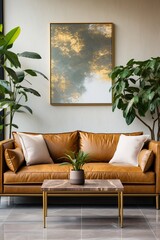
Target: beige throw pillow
x,y
128,148
145,159
14,158
34,149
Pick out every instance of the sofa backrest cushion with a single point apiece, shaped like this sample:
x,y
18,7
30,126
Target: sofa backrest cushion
x,y
101,146
60,144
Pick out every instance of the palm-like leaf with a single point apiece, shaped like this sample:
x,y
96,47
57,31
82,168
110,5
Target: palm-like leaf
x,y
77,160
12,89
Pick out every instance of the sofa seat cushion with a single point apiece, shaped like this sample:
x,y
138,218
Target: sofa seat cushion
x,y
35,174
126,173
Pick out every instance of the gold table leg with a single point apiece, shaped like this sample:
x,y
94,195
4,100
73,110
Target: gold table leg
x,y
119,204
44,208
121,209
157,201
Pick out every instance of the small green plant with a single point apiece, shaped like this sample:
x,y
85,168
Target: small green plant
x,y
76,159
13,92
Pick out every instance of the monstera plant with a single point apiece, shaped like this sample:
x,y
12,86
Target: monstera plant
x,y
13,91
136,91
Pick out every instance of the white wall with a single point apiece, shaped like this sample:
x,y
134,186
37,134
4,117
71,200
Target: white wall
x,y
137,35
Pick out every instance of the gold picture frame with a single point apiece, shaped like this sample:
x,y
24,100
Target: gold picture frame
x,y
81,57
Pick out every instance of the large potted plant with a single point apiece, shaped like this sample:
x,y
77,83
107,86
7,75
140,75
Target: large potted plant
x,y
13,89
77,160
136,91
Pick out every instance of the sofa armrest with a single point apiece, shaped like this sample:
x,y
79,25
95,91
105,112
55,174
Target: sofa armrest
x,y
155,147
9,143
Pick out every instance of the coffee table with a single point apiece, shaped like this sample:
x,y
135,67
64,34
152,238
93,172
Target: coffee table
x,y
90,188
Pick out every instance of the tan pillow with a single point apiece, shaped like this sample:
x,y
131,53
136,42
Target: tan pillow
x,y
14,158
145,159
34,149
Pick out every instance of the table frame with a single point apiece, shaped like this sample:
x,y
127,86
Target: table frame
x,y
120,204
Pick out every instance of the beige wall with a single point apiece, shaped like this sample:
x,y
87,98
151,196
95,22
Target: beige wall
x,y
137,35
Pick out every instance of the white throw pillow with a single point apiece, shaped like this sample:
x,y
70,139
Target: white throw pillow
x,y
34,149
128,148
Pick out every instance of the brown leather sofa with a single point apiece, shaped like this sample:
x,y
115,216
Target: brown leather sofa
x,y
100,146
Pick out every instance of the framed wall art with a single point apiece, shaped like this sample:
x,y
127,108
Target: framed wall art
x,y
81,57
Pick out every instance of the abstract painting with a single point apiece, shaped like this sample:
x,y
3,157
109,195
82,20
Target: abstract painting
x,y
80,61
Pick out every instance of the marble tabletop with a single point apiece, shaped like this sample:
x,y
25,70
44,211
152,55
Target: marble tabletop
x,y
110,185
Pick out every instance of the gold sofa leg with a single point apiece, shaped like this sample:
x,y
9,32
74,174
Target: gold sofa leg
x,y
157,201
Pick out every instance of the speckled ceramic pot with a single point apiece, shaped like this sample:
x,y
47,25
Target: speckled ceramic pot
x,y
77,177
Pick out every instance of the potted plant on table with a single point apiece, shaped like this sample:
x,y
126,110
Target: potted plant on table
x,y
136,91
77,160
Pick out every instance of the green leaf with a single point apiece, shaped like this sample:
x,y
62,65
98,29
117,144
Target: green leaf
x,y
130,118
142,109
126,73
115,72
151,63
151,95
132,89
129,107
2,42
12,35
31,90
64,163
128,96
4,86
16,107
30,72
5,104
12,74
132,80
1,126
1,28
34,73
24,94
152,107
20,76
12,57
137,71
28,109
158,90
40,74
14,125
136,99
33,55
130,62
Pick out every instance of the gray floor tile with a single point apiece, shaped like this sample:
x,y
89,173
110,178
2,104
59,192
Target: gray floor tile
x,y
79,222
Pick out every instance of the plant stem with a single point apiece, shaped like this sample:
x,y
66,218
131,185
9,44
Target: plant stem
x,y
158,130
150,129
10,123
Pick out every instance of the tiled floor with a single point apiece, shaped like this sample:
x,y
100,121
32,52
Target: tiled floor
x,y
79,222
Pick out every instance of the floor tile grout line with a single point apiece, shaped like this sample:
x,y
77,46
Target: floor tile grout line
x,y
148,224
81,211
11,210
